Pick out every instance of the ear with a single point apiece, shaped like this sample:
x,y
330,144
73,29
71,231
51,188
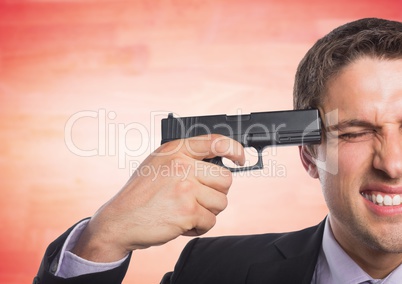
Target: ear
x,y
308,161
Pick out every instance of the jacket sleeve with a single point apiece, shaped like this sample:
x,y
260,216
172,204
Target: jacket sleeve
x,y
173,277
45,276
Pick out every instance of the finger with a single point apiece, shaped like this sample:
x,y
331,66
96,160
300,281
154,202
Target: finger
x,y
209,146
211,199
203,222
226,147
213,176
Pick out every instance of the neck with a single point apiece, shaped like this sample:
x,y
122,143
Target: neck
x,y
376,264
374,261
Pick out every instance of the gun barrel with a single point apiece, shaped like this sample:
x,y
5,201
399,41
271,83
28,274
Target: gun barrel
x,y
260,129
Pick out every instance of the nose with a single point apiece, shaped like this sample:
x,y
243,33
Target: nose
x,y
388,156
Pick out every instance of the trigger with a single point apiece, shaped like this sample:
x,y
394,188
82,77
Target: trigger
x,y
215,160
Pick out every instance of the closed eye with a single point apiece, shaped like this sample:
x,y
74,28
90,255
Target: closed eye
x,y
357,136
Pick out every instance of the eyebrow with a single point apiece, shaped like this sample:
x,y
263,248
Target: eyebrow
x,y
349,123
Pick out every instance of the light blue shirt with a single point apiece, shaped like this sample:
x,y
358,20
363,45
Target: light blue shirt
x,y
335,266
70,265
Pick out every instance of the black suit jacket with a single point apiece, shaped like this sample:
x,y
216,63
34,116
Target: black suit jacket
x,y
267,258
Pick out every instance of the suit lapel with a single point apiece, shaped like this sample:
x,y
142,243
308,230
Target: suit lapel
x,y
296,259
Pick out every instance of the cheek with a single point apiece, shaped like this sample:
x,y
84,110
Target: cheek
x,y
355,159
346,165
344,159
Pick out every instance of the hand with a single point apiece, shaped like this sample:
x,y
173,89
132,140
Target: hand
x,y
173,192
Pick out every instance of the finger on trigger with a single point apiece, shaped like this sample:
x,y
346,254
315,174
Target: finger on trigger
x,y
212,145
223,146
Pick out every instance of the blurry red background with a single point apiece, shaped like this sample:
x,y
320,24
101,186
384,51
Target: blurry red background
x,y
127,63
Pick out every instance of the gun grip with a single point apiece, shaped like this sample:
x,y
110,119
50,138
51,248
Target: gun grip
x,y
218,161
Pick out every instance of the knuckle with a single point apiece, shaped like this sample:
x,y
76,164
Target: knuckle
x,y
211,221
207,222
170,148
224,145
184,187
178,160
221,205
189,213
221,145
164,148
224,203
180,165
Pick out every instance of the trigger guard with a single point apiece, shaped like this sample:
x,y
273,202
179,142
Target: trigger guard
x,y
218,161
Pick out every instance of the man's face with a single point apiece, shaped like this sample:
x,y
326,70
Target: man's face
x,y
365,196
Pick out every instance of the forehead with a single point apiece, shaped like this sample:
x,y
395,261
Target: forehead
x,y
367,87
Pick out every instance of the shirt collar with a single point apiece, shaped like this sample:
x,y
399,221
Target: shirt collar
x,y
338,266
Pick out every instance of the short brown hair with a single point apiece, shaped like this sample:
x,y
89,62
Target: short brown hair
x,y
372,37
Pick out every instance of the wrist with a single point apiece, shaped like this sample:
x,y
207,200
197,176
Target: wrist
x,y
97,246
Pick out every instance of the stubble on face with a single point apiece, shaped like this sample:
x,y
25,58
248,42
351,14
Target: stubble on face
x,y
367,91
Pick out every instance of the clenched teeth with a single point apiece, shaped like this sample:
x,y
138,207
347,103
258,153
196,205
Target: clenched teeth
x,y
383,200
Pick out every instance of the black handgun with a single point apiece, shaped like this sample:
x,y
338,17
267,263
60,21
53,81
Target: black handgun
x,y
258,130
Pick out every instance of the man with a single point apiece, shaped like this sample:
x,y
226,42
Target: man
x,y
356,71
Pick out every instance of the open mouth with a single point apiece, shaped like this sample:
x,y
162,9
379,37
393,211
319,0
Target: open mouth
x,y
382,199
